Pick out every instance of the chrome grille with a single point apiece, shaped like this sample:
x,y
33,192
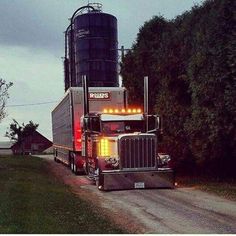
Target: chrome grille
x,y
137,151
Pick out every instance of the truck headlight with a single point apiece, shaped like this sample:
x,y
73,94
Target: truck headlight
x,y
164,159
114,161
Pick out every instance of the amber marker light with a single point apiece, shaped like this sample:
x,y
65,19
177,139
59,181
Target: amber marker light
x,y
123,110
116,111
104,147
105,110
139,110
134,111
110,110
129,110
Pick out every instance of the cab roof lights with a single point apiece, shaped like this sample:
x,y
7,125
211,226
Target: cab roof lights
x,y
124,111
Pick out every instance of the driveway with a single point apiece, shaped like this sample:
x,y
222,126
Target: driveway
x,y
182,210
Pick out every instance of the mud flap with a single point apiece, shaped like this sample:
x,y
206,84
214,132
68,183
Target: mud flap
x,y
136,180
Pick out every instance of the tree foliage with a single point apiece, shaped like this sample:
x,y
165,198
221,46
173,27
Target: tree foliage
x,y
4,86
19,132
190,62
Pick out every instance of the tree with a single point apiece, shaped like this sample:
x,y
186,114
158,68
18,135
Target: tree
x,y
211,72
191,65
145,59
4,86
19,132
160,53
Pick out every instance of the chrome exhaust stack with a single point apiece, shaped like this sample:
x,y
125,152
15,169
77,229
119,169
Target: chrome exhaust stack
x,y
146,100
85,90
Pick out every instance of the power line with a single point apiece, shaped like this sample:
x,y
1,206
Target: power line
x,y
31,104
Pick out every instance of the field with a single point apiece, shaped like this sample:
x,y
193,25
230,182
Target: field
x,y
33,201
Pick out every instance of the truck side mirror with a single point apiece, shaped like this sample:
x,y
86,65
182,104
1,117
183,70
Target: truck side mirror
x,y
160,129
85,123
153,123
95,124
158,122
91,124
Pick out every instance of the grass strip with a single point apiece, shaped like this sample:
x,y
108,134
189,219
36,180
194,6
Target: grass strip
x,y
33,201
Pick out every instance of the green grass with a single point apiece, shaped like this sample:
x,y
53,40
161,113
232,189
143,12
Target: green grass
x,y
33,201
226,189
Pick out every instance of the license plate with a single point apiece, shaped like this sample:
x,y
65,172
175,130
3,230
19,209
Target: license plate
x,y
139,185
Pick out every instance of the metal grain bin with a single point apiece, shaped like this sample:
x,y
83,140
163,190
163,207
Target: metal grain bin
x,y
95,46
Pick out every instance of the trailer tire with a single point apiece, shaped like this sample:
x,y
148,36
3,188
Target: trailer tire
x,y
72,164
75,169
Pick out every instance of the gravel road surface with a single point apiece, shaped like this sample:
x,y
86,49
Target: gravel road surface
x,y
183,210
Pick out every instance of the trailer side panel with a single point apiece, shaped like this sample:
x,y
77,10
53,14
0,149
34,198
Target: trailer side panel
x,y
62,124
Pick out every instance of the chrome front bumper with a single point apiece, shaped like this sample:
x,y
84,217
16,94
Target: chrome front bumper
x,y
162,178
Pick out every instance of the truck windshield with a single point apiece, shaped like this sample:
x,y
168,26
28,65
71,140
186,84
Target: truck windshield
x,y
114,127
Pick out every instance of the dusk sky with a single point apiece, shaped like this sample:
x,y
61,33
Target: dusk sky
x,y
32,44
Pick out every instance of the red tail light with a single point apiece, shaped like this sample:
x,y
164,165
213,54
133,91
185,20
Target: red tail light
x,y
77,135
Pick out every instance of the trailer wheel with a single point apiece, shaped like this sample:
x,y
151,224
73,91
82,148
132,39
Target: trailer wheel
x,y
72,164
75,169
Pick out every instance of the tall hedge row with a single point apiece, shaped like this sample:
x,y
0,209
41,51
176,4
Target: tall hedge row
x,y
190,62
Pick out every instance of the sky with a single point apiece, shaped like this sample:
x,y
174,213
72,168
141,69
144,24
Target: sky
x,y
32,47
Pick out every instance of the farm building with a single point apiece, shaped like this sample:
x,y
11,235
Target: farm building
x,y
5,148
32,144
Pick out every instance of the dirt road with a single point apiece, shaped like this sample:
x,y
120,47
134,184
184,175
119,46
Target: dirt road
x,y
183,210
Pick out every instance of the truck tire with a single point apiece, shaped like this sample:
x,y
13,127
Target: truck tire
x,y
98,180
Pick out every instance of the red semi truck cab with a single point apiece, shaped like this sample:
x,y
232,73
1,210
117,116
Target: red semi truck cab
x,y
121,153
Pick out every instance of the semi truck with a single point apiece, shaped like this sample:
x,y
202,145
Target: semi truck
x,y
95,131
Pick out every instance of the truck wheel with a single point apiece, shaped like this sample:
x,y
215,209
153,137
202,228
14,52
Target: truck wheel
x,y
98,183
98,180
